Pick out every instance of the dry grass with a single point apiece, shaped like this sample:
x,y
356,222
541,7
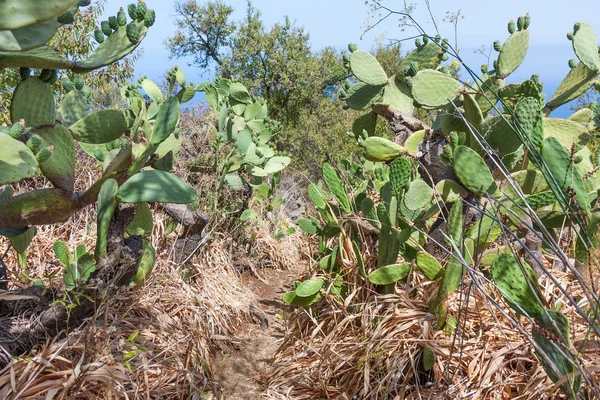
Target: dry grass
x,y
370,347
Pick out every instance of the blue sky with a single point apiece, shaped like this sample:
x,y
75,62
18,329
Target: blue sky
x,y
338,22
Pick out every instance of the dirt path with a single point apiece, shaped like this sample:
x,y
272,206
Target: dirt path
x,y
244,358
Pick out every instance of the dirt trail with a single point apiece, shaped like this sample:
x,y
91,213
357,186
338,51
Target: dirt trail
x,y
243,359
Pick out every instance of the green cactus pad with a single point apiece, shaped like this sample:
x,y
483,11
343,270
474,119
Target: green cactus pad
x,y
100,127
428,56
142,222
115,47
104,210
28,38
152,90
75,106
166,120
367,69
418,195
566,132
500,135
18,162
397,95
472,171
576,83
400,174
34,101
412,143
389,274
335,186
145,265
149,186
521,291
366,122
473,113
42,57
449,190
529,114
530,181
513,53
361,95
429,266
435,89
585,45
59,169
541,200
379,149
558,161
582,116
16,14
551,334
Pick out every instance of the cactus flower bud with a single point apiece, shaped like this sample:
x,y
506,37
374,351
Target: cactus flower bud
x,y
149,18
141,10
67,18
437,38
78,82
132,11
484,68
576,27
121,17
133,34
34,143
418,42
99,36
425,39
445,57
520,23
497,45
570,35
352,47
16,130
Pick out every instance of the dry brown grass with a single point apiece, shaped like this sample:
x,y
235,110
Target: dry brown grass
x,y
370,347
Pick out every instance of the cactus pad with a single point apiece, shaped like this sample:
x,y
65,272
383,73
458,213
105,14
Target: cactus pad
x,y
104,210
366,122
379,149
149,186
472,171
566,132
335,186
28,38
429,265
34,101
397,95
18,162
435,89
15,14
100,127
75,106
558,160
585,45
576,83
518,284
450,191
389,274
529,114
513,53
145,264
427,56
400,174
367,69
361,95
59,169
418,195
166,120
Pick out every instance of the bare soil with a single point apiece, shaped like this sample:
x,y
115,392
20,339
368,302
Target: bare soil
x,y
241,361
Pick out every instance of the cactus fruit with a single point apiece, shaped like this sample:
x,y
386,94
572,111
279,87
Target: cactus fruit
x,y
379,149
78,82
418,42
99,36
24,73
572,63
132,11
520,23
497,45
121,17
526,21
105,27
149,18
43,155
484,68
113,23
133,33
141,10
67,18
511,26
352,47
